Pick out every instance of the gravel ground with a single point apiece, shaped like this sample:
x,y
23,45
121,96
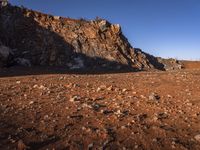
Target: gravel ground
x,y
140,110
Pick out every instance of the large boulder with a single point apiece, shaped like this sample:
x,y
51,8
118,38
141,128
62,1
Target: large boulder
x,y
171,64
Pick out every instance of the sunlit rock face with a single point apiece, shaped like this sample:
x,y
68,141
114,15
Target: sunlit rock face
x,y
46,40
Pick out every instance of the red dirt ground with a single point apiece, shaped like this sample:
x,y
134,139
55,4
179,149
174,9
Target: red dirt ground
x,y
192,64
140,110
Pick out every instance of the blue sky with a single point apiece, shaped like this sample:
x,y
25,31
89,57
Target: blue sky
x,y
167,28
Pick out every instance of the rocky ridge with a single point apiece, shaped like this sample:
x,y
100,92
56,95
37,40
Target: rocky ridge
x,y
31,38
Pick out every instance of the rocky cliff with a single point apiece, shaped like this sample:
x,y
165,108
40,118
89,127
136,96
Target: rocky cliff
x,y
32,38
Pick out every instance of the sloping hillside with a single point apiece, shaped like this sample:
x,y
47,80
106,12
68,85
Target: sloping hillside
x,y
40,39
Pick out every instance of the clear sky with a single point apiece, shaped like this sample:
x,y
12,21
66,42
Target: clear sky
x,y
167,28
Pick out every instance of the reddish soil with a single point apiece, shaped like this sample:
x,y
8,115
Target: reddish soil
x,y
140,110
192,64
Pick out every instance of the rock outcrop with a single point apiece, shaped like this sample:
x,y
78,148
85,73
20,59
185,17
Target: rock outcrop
x,y
39,39
171,64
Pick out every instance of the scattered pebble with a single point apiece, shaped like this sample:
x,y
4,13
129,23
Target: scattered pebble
x,y
197,137
154,97
18,82
31,102
75,98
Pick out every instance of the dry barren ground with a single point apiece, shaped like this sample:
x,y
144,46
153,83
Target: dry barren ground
x,y
141,110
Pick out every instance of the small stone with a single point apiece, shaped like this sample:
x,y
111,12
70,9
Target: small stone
x,y
18,82
132,121
106,112
86,106
141,117
79,108
136,146
154,97
155,140
75,98
46,117
124,148
31,102
110,88
99,89
49,92
134,93
42,87
197,137
96,107
61,78
124,90
162,115
35,86
83,128
76,85
195,115
169,96
118,112
190,104
90,146
155,118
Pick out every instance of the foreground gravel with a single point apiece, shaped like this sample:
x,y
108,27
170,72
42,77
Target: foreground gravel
x,y
144,111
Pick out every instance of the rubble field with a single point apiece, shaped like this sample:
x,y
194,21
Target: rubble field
x,y
155,110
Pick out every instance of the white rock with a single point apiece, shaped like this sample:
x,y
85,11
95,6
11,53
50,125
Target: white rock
x,y
35,86
124,90
99,89
18,82
57,17
31,102
74,98
197,137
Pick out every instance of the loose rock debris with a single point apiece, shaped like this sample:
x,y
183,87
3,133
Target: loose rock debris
x,y
68,112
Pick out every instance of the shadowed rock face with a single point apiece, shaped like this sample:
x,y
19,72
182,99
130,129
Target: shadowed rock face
x,y
40,39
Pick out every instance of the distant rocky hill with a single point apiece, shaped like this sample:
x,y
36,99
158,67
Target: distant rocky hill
x,y
31,38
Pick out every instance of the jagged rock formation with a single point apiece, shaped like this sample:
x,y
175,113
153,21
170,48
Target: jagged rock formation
x,y
171,64
40,39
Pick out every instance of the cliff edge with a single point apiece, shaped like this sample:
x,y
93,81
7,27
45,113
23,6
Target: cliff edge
x,y
31,38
